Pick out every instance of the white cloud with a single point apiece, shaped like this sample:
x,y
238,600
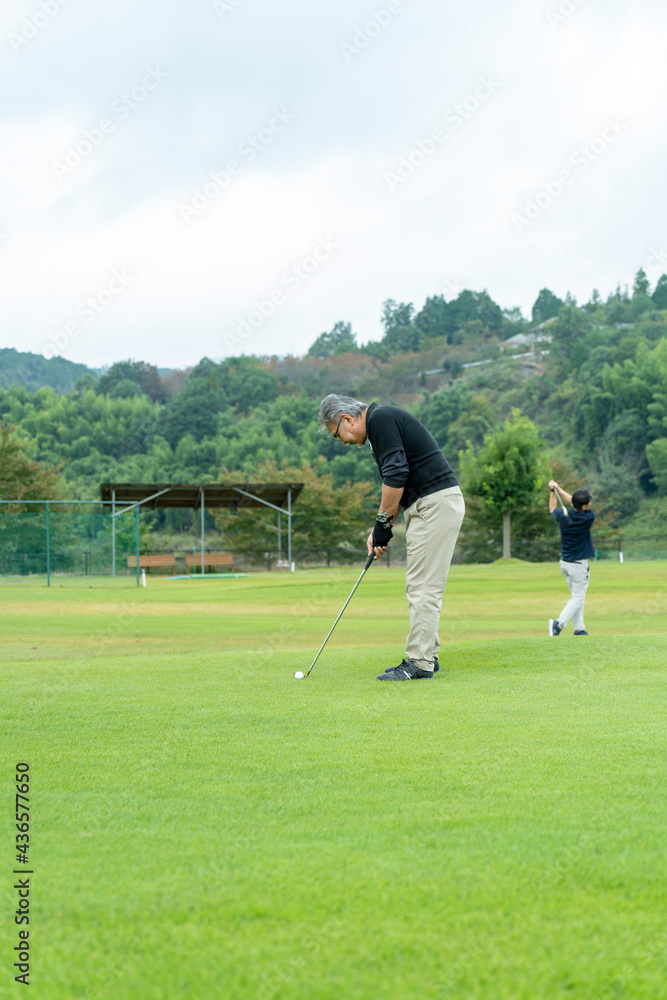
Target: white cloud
x,y
325,176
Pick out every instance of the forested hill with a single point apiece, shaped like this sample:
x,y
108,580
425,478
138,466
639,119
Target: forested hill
x,y
592,377
32,371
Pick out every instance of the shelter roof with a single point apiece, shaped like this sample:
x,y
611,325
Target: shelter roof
x,y
233,495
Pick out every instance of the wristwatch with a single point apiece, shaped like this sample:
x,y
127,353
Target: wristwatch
x,y
383,517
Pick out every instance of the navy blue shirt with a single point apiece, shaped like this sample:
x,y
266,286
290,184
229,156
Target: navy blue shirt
x,y
575,534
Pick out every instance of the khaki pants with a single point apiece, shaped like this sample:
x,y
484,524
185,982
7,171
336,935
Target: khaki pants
x,y
578,577
432,527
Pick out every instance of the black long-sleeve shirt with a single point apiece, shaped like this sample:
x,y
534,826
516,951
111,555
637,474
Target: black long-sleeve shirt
x,y
406,453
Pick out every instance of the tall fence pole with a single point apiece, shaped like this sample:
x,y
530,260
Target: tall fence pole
x,y
202,531
289,528
136,533
48,544
113,532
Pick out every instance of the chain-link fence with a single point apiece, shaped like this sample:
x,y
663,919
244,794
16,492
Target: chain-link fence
x,y
74,538
86,539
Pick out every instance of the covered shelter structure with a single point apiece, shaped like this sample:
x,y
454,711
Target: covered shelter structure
x,y
131,497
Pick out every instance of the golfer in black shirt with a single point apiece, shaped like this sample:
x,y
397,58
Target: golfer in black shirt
x,y
417,478
576,549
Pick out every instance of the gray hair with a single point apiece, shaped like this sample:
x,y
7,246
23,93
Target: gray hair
x,y
334,406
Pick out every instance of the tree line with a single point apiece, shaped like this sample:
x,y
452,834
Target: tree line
x,y
592,385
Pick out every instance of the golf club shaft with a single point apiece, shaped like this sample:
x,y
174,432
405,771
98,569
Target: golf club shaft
x,y
361,576
560,500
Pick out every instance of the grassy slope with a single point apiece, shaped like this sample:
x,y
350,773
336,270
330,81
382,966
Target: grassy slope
x,y
205,826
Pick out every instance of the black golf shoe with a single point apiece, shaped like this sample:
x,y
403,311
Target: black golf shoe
x,y
436,664
405,671
582,631
554,627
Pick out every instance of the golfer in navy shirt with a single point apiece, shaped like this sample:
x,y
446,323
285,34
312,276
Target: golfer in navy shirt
x,y
576,549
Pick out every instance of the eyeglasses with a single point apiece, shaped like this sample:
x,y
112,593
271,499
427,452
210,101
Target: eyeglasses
x,y
338,428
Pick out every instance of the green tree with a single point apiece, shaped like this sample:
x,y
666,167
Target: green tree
x,y
567,334
616,486
508,473
660,292
656,452
432,321
195,410
641,283
618,307
471,427
245,382
441,410
129,378
21,478
34,371
594,303
400,332
546,306
340,340
513,322
489,312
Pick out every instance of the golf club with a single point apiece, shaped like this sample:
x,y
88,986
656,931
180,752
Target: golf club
x,y
361,576
560,501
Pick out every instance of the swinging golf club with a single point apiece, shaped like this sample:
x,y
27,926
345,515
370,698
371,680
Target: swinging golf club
x,y
560,501
361,576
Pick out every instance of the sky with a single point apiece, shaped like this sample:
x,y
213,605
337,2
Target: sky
x,y
235,176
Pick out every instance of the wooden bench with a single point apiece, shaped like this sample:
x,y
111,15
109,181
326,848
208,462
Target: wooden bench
x,y
152,562
225,559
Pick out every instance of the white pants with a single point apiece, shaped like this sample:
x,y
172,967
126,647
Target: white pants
x,y
578,577
432,527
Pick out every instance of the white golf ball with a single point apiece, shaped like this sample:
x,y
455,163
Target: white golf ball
x,y
299,676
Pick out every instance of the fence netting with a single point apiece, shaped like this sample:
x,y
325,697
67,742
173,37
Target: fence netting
x,y
81,539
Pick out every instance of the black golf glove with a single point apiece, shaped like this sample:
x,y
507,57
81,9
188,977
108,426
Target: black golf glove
x,y
382,534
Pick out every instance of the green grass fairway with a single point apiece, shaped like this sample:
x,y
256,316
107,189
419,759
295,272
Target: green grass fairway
x,y
204,826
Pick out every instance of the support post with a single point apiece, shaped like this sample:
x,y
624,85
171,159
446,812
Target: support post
x,y
289,528
48,544
280,544
202,531
136,540
113,532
